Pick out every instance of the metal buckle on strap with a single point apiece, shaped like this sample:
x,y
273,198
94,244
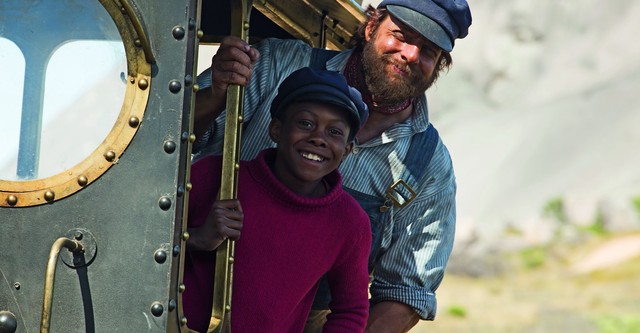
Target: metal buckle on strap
x,y
404,191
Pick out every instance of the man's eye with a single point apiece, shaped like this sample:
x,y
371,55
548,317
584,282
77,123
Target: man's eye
x,y
305,123
399,36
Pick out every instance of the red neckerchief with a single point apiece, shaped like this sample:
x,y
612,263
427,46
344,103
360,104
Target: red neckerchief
x,y
355,76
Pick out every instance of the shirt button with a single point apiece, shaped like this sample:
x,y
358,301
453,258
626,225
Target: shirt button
x,y
355,150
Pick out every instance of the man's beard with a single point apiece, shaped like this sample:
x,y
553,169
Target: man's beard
x,y
385,90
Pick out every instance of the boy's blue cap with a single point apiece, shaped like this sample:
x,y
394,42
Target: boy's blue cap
x,y
440,21
307,84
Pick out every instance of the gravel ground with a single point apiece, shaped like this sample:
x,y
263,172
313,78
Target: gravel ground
x,y
553,297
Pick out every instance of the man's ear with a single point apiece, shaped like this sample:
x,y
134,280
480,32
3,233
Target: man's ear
x,y
275,127
368,30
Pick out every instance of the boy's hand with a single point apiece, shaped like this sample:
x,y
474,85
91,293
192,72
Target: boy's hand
x,y
225,221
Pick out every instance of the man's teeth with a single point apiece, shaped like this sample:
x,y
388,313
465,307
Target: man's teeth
x,y
312,157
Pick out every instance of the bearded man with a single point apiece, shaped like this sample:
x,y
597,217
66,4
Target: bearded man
x,y
399,170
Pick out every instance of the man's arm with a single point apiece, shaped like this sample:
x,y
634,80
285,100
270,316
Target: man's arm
x,y
391,317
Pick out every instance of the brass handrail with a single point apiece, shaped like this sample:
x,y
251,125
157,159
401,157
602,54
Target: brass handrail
x,y
223,281
71,245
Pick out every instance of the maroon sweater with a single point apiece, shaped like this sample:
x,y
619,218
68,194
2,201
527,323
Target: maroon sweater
x,y
287,243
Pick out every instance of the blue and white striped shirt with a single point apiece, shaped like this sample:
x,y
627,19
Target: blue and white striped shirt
x,y
417,239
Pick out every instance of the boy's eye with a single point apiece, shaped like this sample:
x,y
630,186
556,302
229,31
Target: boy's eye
x,y
336,132
305,123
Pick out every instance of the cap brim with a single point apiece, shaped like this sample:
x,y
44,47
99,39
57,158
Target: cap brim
x,y
428,28
322,94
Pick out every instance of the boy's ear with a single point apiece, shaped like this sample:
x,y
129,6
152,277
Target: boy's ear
x,y
274,130
347,150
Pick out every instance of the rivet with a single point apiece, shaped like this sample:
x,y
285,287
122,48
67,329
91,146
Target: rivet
x,y
16,285
110,156
160,256
176,250
246,25
200,33
164,203
137,42
175,86
172,305
178,33
189,186
231,260
143,84
240,118
157,309
180,190
49,196
182,288
78,235
82,180
134,122
188,80
192,138
183,321
196,88
185,236
192,24
169,146
12,200
228,307
236,166
132,80
184,136
8,322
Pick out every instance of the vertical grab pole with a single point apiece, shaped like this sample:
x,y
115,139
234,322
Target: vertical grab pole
x,y
223,280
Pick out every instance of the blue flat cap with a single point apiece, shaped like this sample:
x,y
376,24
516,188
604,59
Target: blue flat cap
x,y
311,85
440,21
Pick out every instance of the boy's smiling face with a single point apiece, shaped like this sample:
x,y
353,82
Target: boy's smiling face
x,y
312,141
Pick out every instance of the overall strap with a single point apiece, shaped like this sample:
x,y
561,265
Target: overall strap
x,y
421,150
319,58
407,187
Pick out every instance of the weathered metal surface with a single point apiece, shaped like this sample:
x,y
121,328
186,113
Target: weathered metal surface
x,y
129,280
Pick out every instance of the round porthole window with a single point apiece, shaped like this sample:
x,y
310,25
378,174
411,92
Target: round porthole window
x,y
83,80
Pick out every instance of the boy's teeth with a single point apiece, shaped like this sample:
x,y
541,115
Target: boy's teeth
x,y
312,157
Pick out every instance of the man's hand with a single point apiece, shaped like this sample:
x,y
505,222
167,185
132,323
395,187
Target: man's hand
x,y
225,220
391,317
232,64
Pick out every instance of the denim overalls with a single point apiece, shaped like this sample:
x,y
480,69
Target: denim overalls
x,y
378,208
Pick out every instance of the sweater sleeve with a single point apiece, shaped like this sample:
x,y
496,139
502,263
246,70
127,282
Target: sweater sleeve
x,y
349,281
205,178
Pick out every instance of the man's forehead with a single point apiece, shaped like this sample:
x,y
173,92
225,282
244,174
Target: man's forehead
x,y
408,31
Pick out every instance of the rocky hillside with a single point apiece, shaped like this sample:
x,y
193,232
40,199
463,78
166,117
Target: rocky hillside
x,y
540,113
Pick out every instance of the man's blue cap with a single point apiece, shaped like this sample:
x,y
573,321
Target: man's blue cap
x,y
440,21
311,85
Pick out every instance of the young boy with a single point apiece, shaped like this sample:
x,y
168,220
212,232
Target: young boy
x,y
297,223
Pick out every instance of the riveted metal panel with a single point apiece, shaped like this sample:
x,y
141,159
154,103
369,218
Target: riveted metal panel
x,y
129,218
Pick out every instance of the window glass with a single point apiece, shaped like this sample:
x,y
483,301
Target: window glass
x,y
63,85
12,67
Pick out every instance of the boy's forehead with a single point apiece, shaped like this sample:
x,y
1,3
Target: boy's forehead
x,y
316,108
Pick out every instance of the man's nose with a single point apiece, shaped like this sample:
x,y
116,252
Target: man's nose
x,y
410,52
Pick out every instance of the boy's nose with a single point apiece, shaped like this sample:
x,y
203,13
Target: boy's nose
x,y
317,138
